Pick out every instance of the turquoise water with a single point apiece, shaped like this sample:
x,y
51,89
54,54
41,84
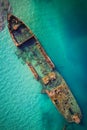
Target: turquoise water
x,y
62,30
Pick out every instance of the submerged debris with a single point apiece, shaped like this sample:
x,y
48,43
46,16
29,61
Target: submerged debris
x,y
44,71
4,9
65,127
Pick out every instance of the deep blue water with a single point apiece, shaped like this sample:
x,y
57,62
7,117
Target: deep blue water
x,y
61,27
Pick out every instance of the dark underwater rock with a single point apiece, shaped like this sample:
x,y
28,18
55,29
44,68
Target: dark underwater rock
x,y
5,8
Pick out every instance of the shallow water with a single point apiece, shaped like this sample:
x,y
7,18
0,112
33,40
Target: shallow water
x,y
62,30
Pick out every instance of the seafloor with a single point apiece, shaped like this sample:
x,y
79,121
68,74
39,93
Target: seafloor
x,y
61,27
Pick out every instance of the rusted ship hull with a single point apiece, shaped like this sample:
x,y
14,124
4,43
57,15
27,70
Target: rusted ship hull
x,y
33,54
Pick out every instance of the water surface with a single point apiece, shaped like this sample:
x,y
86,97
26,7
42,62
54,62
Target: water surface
x,y
62,30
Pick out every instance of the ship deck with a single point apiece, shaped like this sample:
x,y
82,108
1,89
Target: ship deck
x,y
64,101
